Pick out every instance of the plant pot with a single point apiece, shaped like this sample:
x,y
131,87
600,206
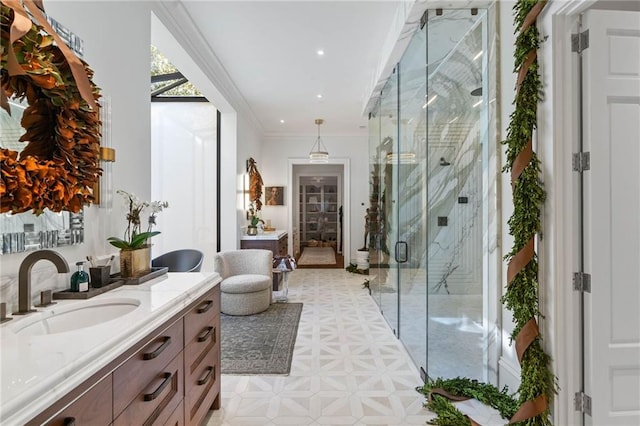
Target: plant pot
x,y
252,230
135,263
362,259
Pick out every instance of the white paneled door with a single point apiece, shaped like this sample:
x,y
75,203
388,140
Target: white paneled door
x,y
611,125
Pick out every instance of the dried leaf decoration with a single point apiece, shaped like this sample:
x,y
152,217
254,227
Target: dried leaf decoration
x,y
255,184
59,165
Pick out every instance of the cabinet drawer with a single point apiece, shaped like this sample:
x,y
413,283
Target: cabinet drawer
x,y
177,417
260,244
203,388
130,378
196,351
92,408
200,318
158,397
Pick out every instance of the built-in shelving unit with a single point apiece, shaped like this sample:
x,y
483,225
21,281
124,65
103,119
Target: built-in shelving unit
x,y
319,206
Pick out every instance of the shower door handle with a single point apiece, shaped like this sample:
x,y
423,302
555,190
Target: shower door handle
x,y
402,252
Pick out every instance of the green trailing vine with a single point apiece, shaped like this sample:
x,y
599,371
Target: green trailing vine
x,y
448,415
537,379
538,383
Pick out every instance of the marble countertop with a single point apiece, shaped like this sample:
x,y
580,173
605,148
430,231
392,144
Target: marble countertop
x,y
270,235
36,371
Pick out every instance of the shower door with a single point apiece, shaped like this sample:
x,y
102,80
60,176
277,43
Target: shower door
x,y
457,140
388,269
429,142
412,211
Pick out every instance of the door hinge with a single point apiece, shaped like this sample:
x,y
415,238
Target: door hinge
x,y
581,161
582,402
580,42
582,282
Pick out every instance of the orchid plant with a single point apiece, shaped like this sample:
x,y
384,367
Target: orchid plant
x,y
252,216
133,237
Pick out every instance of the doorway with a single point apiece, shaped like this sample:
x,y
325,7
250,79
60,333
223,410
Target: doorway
x,y
597,208
318,216
609,212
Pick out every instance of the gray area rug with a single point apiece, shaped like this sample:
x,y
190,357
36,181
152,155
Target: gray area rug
x,y
261,343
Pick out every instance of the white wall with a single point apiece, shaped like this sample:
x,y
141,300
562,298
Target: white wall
x,y
117,36
240,131
508,365
277,150
183,174
120,61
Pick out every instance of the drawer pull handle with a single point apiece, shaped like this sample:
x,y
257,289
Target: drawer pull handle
x,y
161,348
69,421
205,336
156,393
205,307
207,376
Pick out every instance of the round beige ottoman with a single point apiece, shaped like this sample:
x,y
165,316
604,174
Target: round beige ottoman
x,y
245,294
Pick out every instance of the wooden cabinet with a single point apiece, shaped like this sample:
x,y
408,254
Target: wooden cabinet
x,y
202,360
319,205
150,384
92,408
156,398
171,377
278,246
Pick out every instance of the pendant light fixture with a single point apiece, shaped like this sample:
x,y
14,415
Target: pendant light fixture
x,y
318,153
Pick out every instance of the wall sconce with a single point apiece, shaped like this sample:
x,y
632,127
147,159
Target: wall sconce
x,y
103,191
107,154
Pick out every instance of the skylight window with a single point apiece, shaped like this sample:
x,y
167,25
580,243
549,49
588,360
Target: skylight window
x,y
168,83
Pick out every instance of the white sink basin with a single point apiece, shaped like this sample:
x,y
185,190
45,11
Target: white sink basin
x,y
73,317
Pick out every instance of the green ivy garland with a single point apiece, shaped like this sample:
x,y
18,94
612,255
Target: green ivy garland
x,y
537,386
448,415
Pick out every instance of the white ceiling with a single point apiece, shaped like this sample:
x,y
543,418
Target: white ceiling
x,y
268,48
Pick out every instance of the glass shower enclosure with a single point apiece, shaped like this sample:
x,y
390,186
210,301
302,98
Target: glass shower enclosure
x,y
428,140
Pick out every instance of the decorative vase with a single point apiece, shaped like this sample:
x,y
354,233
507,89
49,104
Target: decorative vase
x,y
362,259
252,230
135,263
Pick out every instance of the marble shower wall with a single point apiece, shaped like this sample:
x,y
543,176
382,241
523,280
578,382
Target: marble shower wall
x,y
455,168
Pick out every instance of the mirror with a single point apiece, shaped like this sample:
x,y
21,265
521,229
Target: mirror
x,y
26,231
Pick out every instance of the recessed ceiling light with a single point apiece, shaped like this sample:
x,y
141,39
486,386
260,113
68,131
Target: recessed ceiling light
x,y
319,96
320,52
281,121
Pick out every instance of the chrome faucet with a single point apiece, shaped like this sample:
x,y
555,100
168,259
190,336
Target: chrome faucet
x,y
24,276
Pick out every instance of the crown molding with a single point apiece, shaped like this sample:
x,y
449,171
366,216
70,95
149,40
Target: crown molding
x,y
312,136
180,24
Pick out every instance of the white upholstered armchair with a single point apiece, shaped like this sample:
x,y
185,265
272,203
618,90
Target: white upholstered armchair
x,y
246,280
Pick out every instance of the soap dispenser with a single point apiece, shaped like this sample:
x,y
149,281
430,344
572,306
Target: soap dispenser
x,y
80,279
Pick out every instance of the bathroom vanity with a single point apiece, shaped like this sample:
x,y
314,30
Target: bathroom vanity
x,y
145,354
276,241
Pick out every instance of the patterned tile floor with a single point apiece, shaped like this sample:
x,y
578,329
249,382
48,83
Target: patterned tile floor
x,y
348,368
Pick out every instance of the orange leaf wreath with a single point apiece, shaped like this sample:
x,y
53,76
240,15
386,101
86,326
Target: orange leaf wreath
x,y
59,165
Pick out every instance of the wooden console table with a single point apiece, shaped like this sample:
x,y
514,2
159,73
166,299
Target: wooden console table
x,y
277,241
